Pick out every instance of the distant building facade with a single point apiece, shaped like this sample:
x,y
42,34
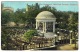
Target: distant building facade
x,y
7,9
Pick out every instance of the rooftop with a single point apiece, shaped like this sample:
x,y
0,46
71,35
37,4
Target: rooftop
x,y
45,15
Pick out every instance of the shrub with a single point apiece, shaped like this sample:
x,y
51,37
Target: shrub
x,y
29,34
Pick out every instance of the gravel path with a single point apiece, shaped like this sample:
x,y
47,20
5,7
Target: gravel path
x,y
67,47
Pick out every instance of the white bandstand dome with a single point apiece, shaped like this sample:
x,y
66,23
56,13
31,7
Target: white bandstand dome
x,y
45,15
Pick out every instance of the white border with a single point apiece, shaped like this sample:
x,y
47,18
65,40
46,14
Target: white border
x,y
36,50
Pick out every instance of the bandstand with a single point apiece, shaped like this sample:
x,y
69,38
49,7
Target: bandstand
x,y
45,24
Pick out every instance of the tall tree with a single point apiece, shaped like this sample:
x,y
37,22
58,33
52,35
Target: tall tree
x,y
20,16
73,22
5,17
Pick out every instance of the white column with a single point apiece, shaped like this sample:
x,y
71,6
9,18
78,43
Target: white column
x,y
37,24
53,26
45,26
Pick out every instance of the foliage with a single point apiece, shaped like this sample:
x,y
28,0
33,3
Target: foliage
x,y
73,22
29,34
19,16
28,17
4,38
5,17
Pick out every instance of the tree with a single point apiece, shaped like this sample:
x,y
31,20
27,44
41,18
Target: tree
x,y
73,22
4,38
29,34
46,8
32,12
5,17
20,15
73,25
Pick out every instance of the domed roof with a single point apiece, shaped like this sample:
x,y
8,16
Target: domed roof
x,y
45,15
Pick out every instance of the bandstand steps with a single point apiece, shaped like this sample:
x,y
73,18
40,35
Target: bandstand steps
x,y
49,35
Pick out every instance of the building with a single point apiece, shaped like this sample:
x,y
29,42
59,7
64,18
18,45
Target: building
x,y
45,24
8,9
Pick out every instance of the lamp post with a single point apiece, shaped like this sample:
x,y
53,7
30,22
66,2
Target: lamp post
x,y
71,37
58,38
75,39
58,35
23,45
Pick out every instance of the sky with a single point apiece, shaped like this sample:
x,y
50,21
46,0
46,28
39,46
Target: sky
x,y
59,5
